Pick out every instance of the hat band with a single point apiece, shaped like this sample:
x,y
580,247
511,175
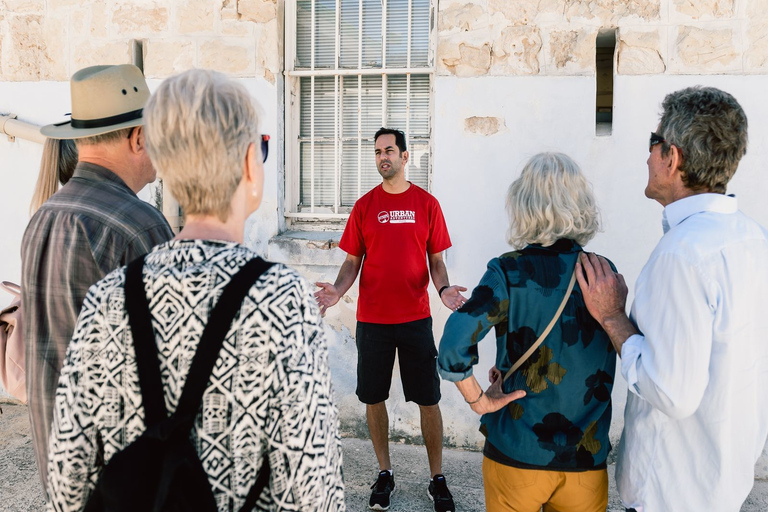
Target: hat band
x,y
106,121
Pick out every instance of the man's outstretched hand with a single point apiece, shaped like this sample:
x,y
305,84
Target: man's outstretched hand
x,y
327,296
452,297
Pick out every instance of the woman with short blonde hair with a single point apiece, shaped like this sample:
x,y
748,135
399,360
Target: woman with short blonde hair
x,y
267,408
547,413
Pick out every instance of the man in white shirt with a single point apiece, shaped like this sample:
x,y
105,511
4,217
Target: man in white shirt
x,y
694,350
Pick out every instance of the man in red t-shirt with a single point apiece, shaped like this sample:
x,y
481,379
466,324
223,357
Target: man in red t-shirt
x,y
392,232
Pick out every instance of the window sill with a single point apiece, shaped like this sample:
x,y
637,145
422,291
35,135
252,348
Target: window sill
x,y
311,248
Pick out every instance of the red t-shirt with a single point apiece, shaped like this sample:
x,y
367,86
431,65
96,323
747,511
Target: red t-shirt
x,y
394,233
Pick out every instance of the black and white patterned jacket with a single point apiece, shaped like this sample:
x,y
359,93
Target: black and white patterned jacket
x,y
269,395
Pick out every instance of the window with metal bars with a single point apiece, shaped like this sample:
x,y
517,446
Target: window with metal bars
x,y
354,66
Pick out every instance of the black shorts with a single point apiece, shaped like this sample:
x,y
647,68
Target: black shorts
x,y
417,354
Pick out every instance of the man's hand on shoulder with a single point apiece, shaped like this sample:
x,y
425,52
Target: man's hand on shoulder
x,y
452,297
605,295
604,291
327,296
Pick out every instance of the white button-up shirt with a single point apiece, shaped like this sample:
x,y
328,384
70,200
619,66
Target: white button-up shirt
x,y
696,419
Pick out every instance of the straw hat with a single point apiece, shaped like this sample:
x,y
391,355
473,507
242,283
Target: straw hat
x,y
104,99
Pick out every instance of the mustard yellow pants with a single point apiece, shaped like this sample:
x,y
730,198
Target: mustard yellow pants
x,y
509,489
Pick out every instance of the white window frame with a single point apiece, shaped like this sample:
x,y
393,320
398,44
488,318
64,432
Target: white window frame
x,y
293,107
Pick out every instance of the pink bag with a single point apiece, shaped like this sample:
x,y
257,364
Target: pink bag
x,y
12,373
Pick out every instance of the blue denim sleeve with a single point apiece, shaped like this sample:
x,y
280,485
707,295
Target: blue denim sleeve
x,y
487,307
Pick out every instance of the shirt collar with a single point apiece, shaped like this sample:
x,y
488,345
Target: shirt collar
x,y
93,172
561,245
677,212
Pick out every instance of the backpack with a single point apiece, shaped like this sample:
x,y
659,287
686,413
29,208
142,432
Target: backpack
x,y
161,471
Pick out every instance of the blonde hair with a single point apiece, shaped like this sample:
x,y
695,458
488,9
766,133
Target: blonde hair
x,y
199,125
56,166
551,200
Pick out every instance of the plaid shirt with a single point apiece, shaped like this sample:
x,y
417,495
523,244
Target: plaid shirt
x,y
92,226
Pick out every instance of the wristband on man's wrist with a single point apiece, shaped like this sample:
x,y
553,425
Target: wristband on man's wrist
x,y
441,290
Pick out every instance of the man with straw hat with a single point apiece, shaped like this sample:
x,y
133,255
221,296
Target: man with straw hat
x,y
93,225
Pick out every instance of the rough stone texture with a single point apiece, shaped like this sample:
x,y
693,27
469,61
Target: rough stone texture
x,y
165,58
24,6
464,59
260,11
609,12
516,52
268,53
227,56
756,54
35,48
640,53
526,12
233,27
99,19
756,9
228,9
572,52
195,16
90,52
462,18
706,50
130,19
704,9
53,5
484,125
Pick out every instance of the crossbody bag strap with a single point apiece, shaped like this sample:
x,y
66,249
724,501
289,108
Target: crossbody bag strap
x,y
544,335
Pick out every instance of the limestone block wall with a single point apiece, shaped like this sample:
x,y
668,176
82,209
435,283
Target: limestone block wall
x,y
50,40
557,37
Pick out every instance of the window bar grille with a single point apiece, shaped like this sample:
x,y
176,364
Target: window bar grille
x,y
337,82
408,85
312,115
354,72
384,62
360,100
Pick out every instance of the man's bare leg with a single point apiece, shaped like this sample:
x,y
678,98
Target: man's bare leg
x,y
432,430
378,426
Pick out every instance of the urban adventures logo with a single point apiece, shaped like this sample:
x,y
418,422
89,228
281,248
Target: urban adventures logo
x,y
398,217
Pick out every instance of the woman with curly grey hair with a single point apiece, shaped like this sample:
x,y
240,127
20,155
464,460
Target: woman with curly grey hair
x,y
547,413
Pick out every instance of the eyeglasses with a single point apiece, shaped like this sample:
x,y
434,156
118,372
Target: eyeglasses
x,y
655,139
264,147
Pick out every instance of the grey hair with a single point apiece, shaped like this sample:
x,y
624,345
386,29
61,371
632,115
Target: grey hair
x,y
551,200
710,129
104,138
199,125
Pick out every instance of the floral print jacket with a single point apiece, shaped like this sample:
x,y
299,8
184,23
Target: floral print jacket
x,y
563,421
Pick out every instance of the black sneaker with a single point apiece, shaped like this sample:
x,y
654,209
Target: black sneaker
x,y
438,492
382,489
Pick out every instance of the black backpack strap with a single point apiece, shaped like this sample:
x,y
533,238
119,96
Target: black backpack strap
x,y
219,322
144,344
